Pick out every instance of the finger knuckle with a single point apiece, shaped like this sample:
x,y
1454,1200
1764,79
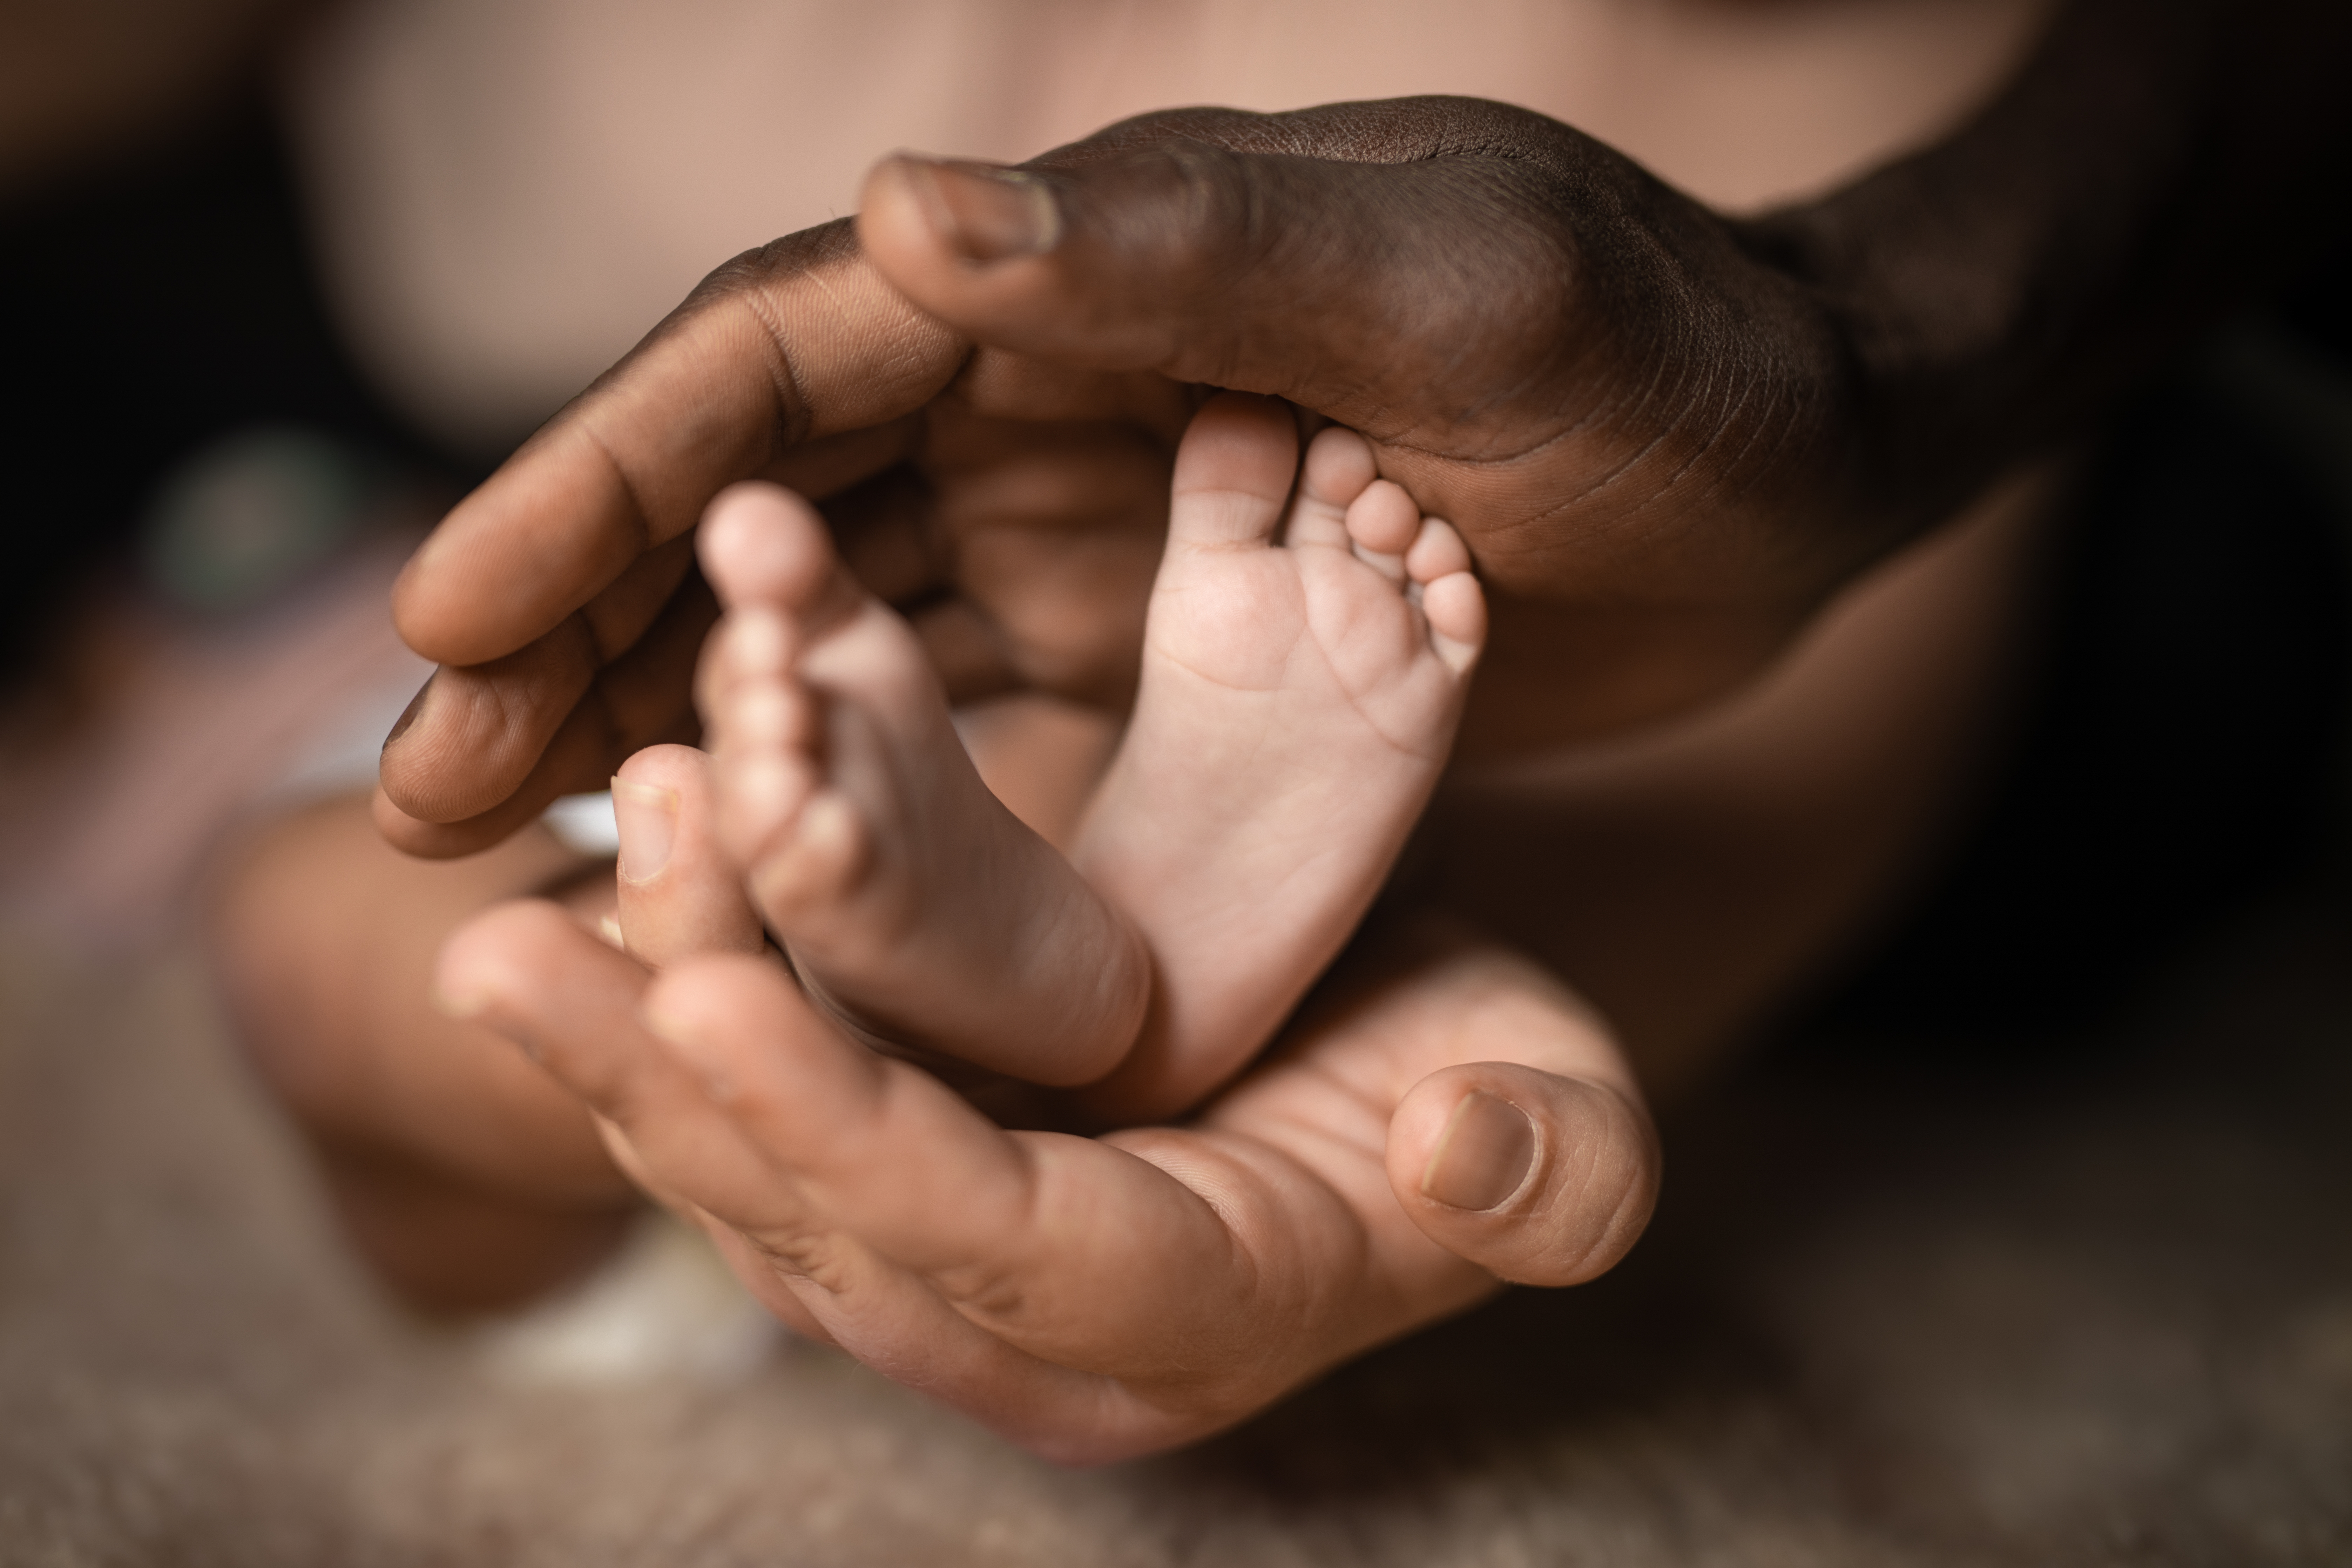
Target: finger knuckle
x,y
988,1291
763,266
1183,212
817,1257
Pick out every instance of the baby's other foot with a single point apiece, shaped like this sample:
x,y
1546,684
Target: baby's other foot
x,y
1306,663
908,898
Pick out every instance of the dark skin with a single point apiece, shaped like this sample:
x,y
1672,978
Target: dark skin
x,y
1665,435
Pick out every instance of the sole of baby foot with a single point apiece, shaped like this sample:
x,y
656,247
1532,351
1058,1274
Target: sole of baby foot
x,y
1307,662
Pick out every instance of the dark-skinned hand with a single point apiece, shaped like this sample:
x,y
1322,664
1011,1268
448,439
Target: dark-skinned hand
x,y
1664,434
1631,422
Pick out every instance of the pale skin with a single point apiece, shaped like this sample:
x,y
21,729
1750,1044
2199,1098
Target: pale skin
x,y
1306,658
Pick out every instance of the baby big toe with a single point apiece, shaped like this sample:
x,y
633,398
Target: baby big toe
x,y
761,545
765,716
761,794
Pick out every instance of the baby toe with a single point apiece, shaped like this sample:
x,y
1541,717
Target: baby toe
x,y
1234,469
765,715
815,866
749,644
1436,551
1455,609
759,544
1338,466
761,794
1383,522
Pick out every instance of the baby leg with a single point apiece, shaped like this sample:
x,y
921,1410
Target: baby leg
x,y
463,1173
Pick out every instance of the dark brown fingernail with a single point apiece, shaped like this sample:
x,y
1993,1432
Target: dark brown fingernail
x,y
408,715
987,213
1482,1156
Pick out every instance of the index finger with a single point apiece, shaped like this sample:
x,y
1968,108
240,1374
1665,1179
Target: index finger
x,y
778,349
795,360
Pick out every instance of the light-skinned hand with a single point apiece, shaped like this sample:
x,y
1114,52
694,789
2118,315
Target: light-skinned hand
x,y
1442,1117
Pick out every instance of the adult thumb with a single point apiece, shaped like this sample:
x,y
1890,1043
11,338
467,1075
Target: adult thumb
x,y
1383,267
678,893
1541,1179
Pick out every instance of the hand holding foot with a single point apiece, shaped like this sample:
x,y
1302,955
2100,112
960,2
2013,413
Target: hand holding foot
x,y
1451,1119
1305,662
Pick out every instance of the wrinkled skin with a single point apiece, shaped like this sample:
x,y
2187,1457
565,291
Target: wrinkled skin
x,y
1091,1298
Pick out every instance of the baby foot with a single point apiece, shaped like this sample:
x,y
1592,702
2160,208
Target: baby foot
x,y
1303,671
907,896
1298,697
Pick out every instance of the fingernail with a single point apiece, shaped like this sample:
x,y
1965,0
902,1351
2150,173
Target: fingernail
x,y
692,1053
408,715
647,819
986,213
1482,1156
